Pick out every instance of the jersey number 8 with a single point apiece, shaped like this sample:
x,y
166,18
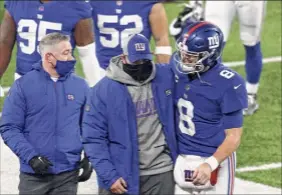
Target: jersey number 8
x,y
30,35
186,117
113,42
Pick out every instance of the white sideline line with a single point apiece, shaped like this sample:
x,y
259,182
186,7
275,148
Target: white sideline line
x,y
229,64
265,60
259,168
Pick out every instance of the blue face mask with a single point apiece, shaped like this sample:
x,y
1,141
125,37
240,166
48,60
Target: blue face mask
x,y
64,67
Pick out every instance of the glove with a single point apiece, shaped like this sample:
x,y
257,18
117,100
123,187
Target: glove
x,y
87,168
191,13
40,164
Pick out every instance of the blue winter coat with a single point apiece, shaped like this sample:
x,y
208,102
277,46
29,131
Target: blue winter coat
x,y
43,117
110,128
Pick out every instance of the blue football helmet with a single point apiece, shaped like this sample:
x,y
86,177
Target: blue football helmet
x,y
199,46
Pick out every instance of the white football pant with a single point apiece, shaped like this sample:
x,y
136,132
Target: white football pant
x,y
250,15
225,179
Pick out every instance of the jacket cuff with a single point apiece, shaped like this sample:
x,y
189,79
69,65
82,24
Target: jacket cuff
x,y
30,156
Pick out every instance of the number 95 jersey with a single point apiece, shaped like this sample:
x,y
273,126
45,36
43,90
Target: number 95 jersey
x,y
114,21
34,20
201,105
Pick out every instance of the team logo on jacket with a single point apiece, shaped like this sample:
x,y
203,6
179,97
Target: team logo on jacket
x,y
70,97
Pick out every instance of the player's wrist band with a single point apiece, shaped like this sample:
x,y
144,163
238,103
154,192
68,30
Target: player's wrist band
x,y
163,50
212,162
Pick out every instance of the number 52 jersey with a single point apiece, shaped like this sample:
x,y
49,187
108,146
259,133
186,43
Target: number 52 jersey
x,y
114,21
34,20
201,105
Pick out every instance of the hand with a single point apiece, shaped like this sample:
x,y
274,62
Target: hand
x,y
202,174
119,187
87,168
40,164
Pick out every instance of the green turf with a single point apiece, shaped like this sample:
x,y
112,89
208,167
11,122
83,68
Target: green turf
x,y
261,141
262,132
270,177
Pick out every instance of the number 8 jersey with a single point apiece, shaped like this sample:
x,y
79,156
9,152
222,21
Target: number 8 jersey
x,y
114,21
201,105
34,20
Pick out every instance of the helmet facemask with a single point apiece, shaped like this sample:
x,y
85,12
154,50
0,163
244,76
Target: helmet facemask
x,y
188,61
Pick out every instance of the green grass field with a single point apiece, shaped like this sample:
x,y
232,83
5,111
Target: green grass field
x,y
261,142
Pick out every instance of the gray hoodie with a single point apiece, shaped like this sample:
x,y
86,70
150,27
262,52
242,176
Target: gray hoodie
x,y
154,155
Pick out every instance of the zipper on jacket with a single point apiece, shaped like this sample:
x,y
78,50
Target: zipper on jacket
x,y
56,122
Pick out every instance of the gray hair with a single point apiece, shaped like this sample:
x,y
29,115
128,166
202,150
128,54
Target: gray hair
x,y
51,40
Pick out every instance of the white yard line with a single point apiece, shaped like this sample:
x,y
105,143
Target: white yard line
x,y
259,168
229,64
265,60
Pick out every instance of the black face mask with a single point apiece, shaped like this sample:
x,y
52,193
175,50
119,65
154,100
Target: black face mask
x,y
140,72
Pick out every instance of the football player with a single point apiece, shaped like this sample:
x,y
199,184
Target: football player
x,y
251,15
210,99
115,20
26,22
221,13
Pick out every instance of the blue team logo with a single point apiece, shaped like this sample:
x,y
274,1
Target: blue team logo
x,y
188,174
140,46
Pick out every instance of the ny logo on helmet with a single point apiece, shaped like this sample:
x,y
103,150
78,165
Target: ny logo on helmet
x,y
213,42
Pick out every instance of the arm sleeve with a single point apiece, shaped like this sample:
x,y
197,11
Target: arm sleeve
x,y
95,138
233,120
12,124
84,9
91,68
8,5
235,98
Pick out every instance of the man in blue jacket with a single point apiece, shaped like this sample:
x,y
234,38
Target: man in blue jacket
x,y
128,124
41,121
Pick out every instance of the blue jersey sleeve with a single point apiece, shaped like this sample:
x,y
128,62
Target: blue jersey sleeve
x,y
233,120
9,5
83,9
234,98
